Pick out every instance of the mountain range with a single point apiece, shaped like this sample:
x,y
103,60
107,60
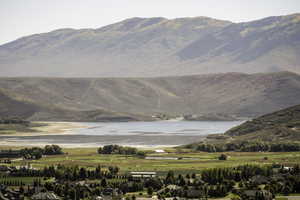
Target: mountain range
x,y
150,47
124,99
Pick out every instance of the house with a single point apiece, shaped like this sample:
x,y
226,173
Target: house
x,y
102,198
2,197
6,193
140,175
5,161
147,198
112,192
4,168
255,194
287,168
109,194
45,196
169,188
193,193
259,180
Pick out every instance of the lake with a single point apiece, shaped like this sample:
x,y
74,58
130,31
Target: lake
x,y
139,134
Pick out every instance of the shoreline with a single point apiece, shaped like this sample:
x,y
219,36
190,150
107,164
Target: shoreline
x,y
74,135
49,128
12,144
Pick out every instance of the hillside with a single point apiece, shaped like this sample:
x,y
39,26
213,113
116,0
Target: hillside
x,y
88,99
277,126
29,109
144,47
275,132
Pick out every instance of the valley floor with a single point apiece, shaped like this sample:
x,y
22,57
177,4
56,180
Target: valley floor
x,y
180,162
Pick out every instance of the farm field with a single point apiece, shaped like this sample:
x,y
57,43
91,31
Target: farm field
x,y
180,162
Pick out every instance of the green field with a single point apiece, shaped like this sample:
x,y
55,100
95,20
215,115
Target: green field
x,y
190,162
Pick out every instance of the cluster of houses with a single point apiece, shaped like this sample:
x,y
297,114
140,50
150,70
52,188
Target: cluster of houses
x,y
45,196
4,169
8,193
191,192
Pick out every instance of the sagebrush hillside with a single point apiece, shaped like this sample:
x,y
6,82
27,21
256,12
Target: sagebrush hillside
x,y
274,132
277,126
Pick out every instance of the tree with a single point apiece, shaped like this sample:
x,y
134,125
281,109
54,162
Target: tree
x,y
150,190
82,173
193,175
170,178
52,150
223,157
287,190
113,170
141,153
103,183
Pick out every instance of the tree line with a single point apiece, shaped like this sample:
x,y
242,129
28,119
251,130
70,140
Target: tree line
x,y
37,152
32,153
247,146
116,149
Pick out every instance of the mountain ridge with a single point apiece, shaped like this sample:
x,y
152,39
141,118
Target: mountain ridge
x,y
232,94
149,47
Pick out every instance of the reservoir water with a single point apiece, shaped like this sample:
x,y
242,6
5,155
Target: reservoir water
x,y
140,134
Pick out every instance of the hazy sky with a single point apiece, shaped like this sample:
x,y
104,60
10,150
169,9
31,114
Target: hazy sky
x,y
24,17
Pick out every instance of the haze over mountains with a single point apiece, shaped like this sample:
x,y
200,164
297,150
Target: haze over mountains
x,y
104,99
140,47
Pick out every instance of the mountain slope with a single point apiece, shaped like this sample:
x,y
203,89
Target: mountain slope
x,y
141,47
274,132
270,44
128,48
280,125
37,111
238,94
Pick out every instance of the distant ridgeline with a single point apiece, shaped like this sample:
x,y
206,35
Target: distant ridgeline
x,y
275,132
